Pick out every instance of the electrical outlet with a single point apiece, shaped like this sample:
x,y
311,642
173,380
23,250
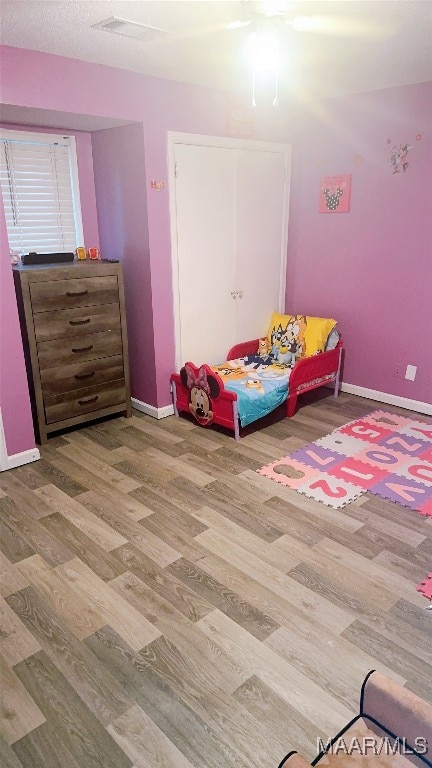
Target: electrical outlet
x,y
397,371
410,372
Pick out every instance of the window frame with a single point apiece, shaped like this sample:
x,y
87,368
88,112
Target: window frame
x,y
35,137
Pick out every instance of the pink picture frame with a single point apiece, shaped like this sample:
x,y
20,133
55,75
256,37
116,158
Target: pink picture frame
x,y
335,193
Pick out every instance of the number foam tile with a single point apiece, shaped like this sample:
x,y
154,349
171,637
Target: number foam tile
x,y
330,490
409,493
387,420
343,444
269,471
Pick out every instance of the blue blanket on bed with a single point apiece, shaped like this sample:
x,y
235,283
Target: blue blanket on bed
x,y
260,384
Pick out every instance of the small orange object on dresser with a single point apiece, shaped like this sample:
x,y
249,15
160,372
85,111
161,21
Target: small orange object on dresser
x,y
93,253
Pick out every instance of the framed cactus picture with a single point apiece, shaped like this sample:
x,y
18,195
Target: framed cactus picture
x,y
335,193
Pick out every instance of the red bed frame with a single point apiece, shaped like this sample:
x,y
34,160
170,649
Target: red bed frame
x,y
307,374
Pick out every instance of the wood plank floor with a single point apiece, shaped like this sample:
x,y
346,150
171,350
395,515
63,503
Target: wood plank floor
x,y
163,606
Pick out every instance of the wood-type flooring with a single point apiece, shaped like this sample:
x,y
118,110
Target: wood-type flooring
x,y
163,606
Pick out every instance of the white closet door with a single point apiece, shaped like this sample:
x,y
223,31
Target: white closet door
x,y
261,197
205,203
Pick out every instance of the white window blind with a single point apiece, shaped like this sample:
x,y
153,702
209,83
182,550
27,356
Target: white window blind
x,y
39,181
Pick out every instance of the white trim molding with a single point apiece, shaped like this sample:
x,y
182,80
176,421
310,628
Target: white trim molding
x,y
151,410
17,459
385,397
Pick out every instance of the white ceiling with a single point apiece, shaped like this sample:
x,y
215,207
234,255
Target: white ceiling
x,y
380,43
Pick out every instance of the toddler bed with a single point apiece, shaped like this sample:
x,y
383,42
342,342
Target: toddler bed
x,y
300,353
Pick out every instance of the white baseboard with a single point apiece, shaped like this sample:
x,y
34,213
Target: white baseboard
x,y
151,410
17,459
25,457
385,397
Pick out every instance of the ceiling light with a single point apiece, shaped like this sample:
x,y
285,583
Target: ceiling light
x,y
263,51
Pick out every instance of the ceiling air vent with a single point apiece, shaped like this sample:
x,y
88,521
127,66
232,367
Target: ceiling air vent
x,y
130,29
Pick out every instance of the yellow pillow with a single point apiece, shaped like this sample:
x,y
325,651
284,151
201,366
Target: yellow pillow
x,y
303,335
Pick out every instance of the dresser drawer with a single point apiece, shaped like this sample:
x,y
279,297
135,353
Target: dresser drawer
x,y
71,404
89,346
68,378
76,292
76,322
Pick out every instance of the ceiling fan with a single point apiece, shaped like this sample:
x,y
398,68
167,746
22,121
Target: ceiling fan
x,y
277,15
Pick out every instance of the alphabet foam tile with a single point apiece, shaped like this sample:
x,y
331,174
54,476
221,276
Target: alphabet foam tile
x,y
358,472
418,470
409,493
330,490
426,587
411,446
384,458
371,433
317,457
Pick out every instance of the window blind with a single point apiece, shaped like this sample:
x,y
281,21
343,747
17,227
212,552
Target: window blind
x,y
40,193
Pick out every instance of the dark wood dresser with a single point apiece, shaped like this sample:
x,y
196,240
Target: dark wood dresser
x,y
74,332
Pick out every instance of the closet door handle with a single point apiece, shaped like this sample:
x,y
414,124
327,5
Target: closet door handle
x,y
82,349
81,376
87,400
76,293
240,294
79,322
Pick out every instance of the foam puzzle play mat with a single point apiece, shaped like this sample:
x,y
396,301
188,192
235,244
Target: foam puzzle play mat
x,y
382,453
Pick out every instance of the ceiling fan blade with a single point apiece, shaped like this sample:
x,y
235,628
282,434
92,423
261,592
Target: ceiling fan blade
x,y
202,31
353,26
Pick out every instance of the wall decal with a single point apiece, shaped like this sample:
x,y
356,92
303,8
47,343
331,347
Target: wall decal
x,y
157,185
418,137
240,118
399,157
335,194
358,160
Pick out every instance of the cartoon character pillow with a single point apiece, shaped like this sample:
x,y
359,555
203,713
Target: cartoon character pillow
x,y
301,335
204,387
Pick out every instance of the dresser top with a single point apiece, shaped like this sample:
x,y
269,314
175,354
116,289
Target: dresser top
x,y
70,269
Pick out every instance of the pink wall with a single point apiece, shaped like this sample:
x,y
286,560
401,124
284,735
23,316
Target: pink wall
x,y
120,178
14,395
161,106
370,268
85,177
358,266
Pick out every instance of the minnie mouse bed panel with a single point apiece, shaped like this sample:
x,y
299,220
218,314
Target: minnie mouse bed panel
x,y
299,353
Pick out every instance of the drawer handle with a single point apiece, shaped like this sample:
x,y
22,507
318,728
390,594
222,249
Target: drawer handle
x,y
80,376
79,322
82,349
87,400
76,293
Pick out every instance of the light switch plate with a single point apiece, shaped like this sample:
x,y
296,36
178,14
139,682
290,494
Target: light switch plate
x,y
410,372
